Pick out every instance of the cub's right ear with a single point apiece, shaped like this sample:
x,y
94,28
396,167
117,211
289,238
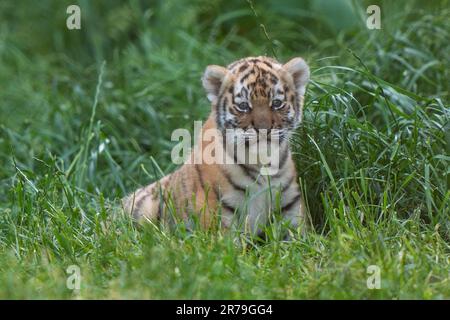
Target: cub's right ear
x,y
212,81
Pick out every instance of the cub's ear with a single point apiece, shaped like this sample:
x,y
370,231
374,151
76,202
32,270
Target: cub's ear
x,y
212,81
299,71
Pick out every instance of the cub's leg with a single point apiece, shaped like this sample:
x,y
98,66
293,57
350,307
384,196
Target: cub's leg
x,y
175,198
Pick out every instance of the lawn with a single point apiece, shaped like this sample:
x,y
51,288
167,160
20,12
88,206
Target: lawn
x,y
86,115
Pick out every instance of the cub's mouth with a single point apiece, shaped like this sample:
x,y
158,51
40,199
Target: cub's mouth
x,y
264,136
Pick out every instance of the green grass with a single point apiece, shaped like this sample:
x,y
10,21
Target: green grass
x,y
373,152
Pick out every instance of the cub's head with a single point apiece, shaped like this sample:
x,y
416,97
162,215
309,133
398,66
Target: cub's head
x,y
257,93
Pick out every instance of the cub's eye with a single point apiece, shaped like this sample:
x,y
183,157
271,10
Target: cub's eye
x,y
277,104
243,107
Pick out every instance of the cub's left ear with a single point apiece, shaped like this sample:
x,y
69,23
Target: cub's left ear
x,y
212,81
299,71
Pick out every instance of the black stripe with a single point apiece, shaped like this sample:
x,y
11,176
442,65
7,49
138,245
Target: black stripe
x,y
224,110
230,181
217,192
161,202
291,204
267,63
247,170
264,74
195,186
243,67
283,159
274,80
245,76
138,204
231,66
159,213
250,168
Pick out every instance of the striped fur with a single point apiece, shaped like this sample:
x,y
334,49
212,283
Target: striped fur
x,y
242,96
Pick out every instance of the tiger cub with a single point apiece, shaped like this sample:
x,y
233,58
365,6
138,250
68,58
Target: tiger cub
x,y
253,98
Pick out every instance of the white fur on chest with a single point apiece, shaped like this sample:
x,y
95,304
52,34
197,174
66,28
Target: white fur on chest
x,y
254,207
